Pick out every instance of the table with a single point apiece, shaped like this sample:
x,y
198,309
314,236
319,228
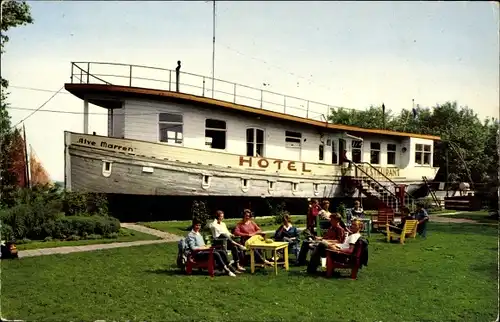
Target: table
x,y
274,247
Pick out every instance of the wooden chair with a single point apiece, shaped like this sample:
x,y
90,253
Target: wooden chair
x,y
186,261
384,217
409,230
353,262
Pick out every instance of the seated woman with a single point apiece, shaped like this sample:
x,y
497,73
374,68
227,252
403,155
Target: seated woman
x,y
324,215
288,233
357,211
247,228
194,241
335,235
220,231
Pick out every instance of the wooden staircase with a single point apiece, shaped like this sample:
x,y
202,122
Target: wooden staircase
x,y
387,196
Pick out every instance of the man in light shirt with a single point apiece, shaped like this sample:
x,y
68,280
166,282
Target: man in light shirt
x,y
220,231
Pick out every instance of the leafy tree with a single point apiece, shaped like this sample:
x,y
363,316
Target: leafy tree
x,y
14,14
463,134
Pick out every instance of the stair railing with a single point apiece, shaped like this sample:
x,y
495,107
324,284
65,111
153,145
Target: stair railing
x,y
409,200
383,198
433,195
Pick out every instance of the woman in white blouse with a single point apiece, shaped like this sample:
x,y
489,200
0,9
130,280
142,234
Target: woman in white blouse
x,y
219,230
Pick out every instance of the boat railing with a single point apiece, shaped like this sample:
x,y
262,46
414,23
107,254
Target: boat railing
x,y
166,79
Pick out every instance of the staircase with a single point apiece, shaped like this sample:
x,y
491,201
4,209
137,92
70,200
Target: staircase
x,y
387,196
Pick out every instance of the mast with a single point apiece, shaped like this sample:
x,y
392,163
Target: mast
x,y
213,48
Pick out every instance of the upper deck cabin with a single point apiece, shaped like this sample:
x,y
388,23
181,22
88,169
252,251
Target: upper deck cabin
x,y
145,104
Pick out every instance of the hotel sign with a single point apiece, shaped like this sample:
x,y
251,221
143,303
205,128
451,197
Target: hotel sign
x,y
274,164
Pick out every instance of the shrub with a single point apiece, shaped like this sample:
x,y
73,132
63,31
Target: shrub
x,y
277,211
48,239
85,204
94,236
111,235
200,212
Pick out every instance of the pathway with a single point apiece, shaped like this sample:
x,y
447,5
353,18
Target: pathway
x,y
165,238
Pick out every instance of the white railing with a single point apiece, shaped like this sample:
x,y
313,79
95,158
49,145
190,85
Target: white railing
x,y
166,79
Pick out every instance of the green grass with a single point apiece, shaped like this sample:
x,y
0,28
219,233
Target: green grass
x,y
126,235
478,216
450,276
180,228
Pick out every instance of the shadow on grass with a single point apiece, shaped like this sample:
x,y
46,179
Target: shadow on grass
x,y
489,269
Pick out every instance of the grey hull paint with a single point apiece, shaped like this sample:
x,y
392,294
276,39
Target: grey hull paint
x,y
170,178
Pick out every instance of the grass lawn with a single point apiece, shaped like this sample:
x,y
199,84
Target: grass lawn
x,y
180,228
126,235
451,276
479,216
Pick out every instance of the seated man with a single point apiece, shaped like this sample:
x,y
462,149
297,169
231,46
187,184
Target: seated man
x,y
347,247
335,235
220,232
398,228
335,232
423,217
194,241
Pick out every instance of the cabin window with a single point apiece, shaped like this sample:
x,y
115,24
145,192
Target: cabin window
x,y
106,168
423,154
321,152
271,185
335,159
391,154
315,188
293,139
374,153
245,184
170,128
205,184
215,134
357,154
255,142
295,186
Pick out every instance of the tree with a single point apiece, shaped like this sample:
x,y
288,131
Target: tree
x,y
464,136
14,14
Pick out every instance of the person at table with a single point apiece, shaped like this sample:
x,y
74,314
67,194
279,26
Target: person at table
x,y
334,233
220,231
325,214
288,233
194,241
314,209
423,217
247,228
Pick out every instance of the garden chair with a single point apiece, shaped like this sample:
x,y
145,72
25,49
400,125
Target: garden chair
x,y
384,217
409,230
186,260
354,262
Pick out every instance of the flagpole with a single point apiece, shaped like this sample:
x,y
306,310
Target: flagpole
x,y
213,49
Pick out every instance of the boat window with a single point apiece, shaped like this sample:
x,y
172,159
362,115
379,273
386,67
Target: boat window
x,y
374,152
293,139
423,154
170,128
334,154
215,134
295,186
391,153
255,142
357,154
321,152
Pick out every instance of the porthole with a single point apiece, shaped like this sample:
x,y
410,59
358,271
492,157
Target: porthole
x,y
106,168
206,181
245,184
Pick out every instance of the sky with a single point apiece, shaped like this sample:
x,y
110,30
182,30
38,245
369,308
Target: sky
x,y
348,54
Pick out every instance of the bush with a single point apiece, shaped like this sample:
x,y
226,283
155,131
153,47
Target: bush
x,y
84,204
277,211
111,235
94,236
200,212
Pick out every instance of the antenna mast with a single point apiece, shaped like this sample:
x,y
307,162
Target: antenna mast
x,y
213,50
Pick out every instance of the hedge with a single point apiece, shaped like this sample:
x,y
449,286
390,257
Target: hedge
x,y
38,221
